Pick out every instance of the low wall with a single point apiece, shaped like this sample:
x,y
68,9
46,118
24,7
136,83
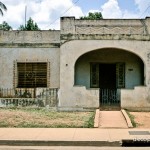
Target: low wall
x,y
78,98
137,99
45,97
81,99
21,102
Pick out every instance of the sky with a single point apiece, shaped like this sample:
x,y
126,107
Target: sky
x,y
47,13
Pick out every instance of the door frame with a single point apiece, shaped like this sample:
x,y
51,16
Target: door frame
x,y
120,79
120,74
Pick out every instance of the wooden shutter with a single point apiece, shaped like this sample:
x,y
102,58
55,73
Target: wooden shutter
x,y
94,75
48,74
120,75
15,78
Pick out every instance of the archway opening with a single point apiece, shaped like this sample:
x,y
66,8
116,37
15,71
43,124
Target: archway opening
x,y
109,70
120,68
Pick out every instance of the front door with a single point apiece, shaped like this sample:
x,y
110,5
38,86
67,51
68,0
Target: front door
x,y
107,76
107,84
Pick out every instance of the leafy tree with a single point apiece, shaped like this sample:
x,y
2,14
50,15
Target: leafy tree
x,y
5,26
22,27
93,16
30,26
2,7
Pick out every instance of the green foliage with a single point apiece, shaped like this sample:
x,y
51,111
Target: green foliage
x,y
30,26
5,26
92,16
131,118
21,27
90,122
2,7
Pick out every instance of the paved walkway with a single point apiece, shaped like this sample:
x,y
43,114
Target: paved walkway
x,y
112,119
69,136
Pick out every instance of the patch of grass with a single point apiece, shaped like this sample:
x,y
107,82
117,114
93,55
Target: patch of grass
x,y
90,122
132,118
42,118
3,124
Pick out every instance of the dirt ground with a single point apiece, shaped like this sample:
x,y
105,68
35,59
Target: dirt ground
x,y
142,119
42,118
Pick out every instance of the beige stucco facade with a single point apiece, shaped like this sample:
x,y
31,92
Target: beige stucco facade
x,y
70,52
80,96
82,36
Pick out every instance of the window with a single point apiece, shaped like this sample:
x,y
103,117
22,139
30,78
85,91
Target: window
x,y
32,75
120,75
94,75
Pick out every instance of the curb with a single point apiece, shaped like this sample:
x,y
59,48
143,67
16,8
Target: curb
x,y
58,143
127,118
96,119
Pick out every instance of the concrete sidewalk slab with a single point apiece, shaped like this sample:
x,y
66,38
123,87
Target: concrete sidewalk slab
x,y
67,136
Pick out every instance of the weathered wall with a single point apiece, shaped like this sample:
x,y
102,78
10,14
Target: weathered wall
x,y
76,38
12,37
70,25
9,55
78,98
79,37
75,49
133,66
28,46
137,99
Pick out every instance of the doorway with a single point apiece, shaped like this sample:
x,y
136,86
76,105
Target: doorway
x,y
109,94
107,76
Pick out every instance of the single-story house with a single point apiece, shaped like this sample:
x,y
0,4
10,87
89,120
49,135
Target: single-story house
x,y
92,63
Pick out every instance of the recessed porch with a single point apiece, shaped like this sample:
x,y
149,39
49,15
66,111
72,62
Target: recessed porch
x,y
110,70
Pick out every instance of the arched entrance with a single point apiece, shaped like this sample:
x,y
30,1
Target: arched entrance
x,y
109,70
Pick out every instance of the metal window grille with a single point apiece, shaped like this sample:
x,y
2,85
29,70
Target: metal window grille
x,y
32,75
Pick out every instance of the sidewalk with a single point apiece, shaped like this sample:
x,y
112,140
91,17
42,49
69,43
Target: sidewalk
x,y
112,119
69,136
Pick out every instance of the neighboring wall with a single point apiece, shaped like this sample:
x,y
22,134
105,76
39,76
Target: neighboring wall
x,y
28,46
19,38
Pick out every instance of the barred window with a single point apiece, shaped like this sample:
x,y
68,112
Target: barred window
x,y
32,75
